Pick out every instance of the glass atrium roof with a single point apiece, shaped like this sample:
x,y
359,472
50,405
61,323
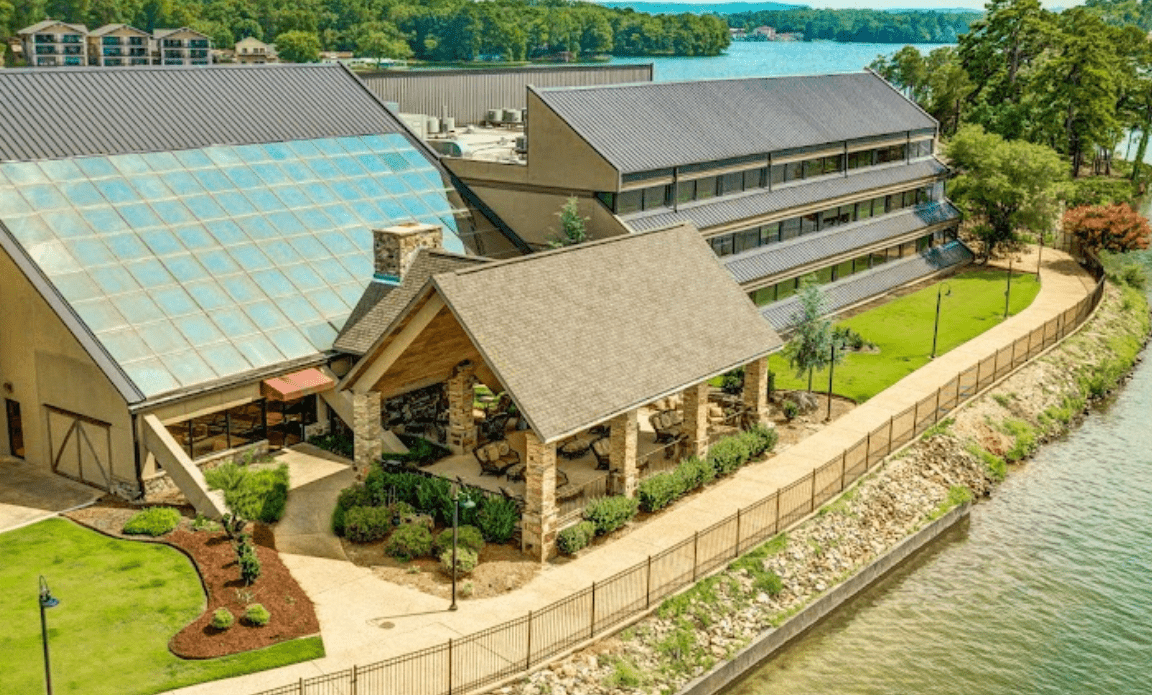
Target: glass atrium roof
x,y
195,265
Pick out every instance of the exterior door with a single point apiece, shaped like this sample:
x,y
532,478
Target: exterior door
x,y
15,428
81,447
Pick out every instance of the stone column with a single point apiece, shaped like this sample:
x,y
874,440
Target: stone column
x,y
367,432
695,425
462,433
622,453
538,525
756,389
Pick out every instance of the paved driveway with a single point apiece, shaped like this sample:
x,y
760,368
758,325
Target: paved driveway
x,y
30,492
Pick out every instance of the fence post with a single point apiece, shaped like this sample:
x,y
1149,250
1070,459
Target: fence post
x,y
891,424
843,467
915,418
648,585
695,554
776,526
936,420
355,679
957,403
1013,362
301,686
449,666
592,622
528,658
736,551
812,501
868,452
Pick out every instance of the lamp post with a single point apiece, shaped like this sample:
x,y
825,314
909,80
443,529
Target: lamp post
x,y
1039,255
468,504
936,326
47,600
831,370
1008,292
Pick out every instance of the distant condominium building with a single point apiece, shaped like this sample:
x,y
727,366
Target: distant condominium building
x,y
119,45
53,44
253,51
182,46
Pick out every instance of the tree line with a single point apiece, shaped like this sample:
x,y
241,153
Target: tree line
x,y
436,30
862,26
1032,100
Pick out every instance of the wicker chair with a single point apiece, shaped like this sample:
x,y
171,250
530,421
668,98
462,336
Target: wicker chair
x,y
601,449
496,458
666,425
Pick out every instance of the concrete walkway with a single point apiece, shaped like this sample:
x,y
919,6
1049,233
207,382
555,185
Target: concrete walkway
x,y
315,479
30,492
364,620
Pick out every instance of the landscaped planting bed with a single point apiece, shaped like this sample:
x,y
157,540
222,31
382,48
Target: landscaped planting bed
x,y
121,602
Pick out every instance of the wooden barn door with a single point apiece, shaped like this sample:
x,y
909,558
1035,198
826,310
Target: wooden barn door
x,y
81,447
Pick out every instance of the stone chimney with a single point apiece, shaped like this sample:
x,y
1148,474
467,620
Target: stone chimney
x,y
395,247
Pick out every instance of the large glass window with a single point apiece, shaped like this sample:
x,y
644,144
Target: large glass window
x,y
629,201
834,164
829,218
731,183
813,167
809,223
786,289
770,233
778,173
793,171
685,191
705,188
754,178
790,229
746,241
655,197
722,245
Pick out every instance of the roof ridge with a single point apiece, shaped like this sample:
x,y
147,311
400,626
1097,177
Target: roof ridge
x,y
743,78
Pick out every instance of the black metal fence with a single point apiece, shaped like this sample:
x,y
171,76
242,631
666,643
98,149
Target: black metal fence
x,y
488,657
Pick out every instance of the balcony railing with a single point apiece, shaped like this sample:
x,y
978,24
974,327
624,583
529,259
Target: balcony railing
x,y
73,50
70,38
45,38
137,51
45,50
198,43
113,52
135,40
110,41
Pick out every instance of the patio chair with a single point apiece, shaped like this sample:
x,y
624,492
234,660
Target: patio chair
x,y
496,458
601,449
666,425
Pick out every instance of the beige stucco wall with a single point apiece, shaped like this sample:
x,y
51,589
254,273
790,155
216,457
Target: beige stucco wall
x,y
46,365
557,156
534,214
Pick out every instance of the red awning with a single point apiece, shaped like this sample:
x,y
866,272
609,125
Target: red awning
x,y
289,387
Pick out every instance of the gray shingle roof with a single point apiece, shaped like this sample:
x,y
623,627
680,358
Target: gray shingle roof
x,y
41,26
640,127
581,334
861,286
76,112
109,28
774,259
382,302
729,209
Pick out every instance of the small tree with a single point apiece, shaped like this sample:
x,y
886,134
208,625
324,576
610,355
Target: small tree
x,y
572,229
811,345
1109,227
298,47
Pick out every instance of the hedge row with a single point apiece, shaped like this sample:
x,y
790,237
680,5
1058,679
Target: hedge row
x,y
727,455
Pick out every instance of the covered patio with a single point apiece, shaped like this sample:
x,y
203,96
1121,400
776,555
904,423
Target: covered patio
x,y
596,346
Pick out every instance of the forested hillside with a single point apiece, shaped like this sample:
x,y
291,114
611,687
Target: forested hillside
x,y
866,26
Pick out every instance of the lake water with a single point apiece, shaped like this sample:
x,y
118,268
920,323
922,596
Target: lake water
x,y
761,58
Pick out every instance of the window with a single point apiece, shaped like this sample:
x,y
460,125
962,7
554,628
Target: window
x,y
834,164
722,245
829,218
777,174
861,263
847,214
731,183
770,233
747,240
793,171
813,167
629,201
894,153
685,191
786,289
764,295
246,424
790,229
705,188
879,257
608,199
754,178
655,197
860,159
809,223
842,270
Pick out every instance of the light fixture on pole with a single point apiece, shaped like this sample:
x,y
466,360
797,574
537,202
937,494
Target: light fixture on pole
x,y
47,600
936,326
468,504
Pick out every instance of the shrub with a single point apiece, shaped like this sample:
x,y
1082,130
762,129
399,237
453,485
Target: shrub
x,y
610,513
768,582
247,560
222,619
355,496
337,444
732,382
466,561
154,521
497,518
203,523
256,614
761,439
392,486
422,520
367,524
409,541
658,491
1134,276
575,537
791,410
434,496
401,511
253,494
728,454
466,537
467,589
695,472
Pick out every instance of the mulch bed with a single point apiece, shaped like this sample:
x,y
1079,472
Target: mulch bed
x,y
292,612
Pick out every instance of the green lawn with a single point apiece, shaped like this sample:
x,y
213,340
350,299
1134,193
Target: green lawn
x,y
902,329
120,603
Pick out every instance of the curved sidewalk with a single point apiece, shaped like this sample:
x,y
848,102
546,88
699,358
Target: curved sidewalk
x,y
365,620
